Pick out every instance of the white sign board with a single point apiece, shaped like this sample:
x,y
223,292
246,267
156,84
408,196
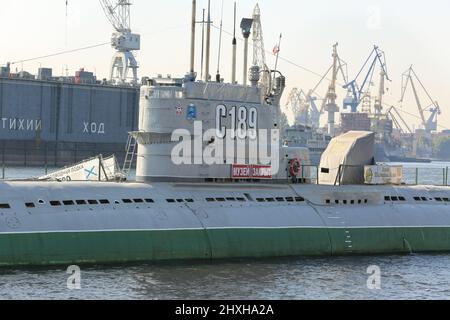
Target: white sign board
x,y
95,169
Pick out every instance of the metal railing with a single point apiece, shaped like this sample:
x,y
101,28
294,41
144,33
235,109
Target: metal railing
x,y
437,176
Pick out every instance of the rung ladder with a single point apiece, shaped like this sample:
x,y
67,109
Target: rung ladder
x,y
131,151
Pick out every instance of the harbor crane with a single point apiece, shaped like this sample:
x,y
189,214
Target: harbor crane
x,y
330,105
308,101
357,92
123,40
430,123
398,121
304,108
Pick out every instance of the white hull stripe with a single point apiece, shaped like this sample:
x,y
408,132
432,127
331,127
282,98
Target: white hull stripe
x,y
225,228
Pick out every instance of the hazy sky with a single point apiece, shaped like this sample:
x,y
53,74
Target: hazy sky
x,y
409,31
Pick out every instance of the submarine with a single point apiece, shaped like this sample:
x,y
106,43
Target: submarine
x,y
214,182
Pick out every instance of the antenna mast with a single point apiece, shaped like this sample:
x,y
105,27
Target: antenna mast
x,y
194,9
233,63
208,42
67,17
220,46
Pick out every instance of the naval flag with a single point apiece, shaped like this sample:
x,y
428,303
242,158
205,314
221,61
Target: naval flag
x,y
276,50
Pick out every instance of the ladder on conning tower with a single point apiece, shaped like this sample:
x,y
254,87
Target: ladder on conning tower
x,y
131,152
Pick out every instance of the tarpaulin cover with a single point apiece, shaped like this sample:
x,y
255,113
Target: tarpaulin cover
x,y
344,160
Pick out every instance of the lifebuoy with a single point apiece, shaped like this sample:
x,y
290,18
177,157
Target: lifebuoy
x,y
295,168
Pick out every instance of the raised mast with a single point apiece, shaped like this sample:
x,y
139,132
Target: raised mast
x,y
233,63
208,43
194,8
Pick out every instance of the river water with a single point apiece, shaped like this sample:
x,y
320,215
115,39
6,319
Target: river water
x,y
397,277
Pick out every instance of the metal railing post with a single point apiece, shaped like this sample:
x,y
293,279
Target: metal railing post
x,y
317,175
446,176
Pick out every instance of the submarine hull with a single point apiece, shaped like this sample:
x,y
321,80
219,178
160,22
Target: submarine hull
x,y
44,223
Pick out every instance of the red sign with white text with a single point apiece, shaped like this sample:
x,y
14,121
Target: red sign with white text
x,y
243,171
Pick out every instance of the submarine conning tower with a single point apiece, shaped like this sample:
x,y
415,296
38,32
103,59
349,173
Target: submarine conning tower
x,y
183,124
213,131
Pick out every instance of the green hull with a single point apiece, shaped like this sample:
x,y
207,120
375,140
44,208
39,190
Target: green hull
x,y
136,246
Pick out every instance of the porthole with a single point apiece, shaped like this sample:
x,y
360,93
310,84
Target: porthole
x,y
68,202
40,201
55,203
80,202
30,205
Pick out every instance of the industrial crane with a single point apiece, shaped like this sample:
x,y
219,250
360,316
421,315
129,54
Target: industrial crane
x,y
118,13
398,121
306,103
430,123
330,105
356,91
304,108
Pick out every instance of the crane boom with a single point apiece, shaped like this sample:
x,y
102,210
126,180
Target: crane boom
x,y
410,77
419,105
118,14
356,92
